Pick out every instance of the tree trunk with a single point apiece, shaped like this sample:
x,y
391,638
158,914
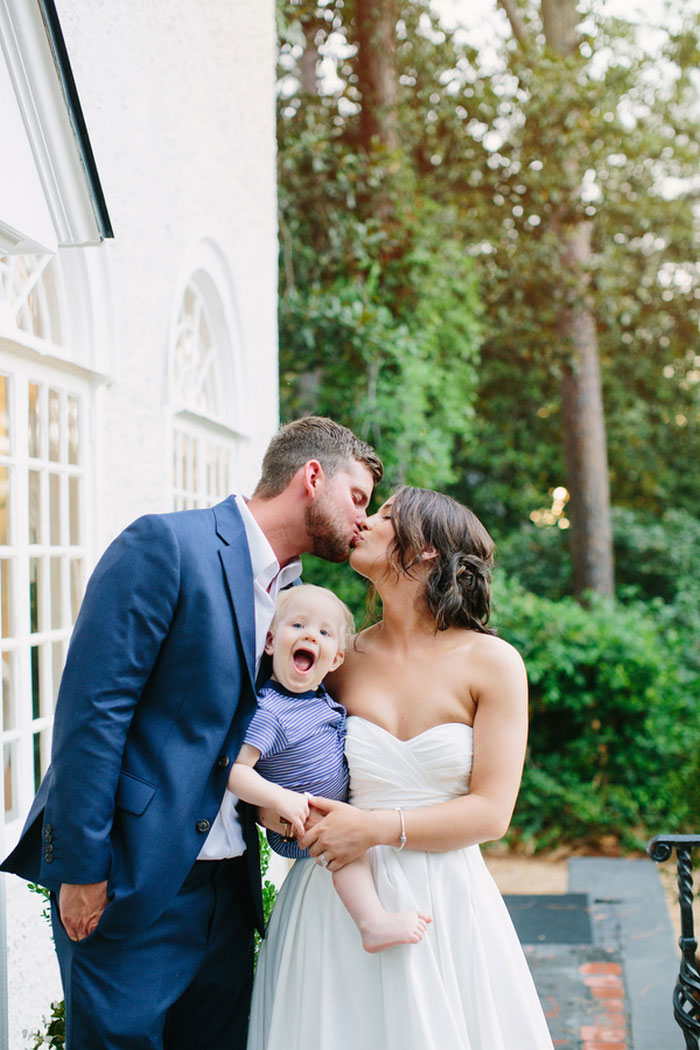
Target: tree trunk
x,y
582,398
559,24
376,71
583,422
309,60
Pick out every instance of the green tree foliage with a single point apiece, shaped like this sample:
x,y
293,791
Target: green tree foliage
x,y
614,732
269,890
491,159
609,136
378,302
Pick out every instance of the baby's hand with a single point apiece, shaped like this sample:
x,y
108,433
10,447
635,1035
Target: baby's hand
x,y
293,808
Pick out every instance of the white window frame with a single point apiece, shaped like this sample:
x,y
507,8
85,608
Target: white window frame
x,y
223,426
54,624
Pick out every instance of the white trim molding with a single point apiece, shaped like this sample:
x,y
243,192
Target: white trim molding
x,y
205,291
60,202
59,308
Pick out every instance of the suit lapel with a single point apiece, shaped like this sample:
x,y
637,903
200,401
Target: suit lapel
x,y
235,560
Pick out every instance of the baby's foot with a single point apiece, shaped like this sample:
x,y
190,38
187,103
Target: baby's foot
x,y
394,927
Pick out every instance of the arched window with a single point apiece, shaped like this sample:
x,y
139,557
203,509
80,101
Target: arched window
x,y
45,504
206,384
28,297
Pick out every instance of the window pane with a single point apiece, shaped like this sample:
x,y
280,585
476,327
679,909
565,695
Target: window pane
x,y
34,420
57,660
74,511
73,430
34,506
6,605
196,372
76,586
56,593
54,426
5,447
195,463
42,745
36,682
225,472
176,460
10,775
5,478
45,685
202,469
34,595
55,505
207,454
219,473
186,484
9,699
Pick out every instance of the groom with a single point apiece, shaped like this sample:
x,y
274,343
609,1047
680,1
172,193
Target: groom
x,y
153,871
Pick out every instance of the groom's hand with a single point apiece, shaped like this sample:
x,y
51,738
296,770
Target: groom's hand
x,y
341,832
81,907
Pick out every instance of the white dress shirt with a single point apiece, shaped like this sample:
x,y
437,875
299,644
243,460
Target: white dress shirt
x,y
225,838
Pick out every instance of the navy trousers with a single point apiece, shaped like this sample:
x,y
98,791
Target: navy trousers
x,y
183,983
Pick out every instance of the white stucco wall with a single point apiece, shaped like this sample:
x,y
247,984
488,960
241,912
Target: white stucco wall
x,y
179,102
178,97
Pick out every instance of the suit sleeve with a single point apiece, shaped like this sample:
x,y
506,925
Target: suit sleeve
x,y
127,611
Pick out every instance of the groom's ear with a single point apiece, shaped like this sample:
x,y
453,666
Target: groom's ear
x,y
313,477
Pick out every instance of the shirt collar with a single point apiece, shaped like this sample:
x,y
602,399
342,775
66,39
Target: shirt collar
x,y
282,690
262,557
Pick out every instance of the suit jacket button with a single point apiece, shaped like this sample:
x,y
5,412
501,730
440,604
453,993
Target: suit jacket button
x,y
203,825
222,761
48,830
48,848
48,857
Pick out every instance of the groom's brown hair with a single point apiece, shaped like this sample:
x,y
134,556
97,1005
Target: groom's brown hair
x,y
313,437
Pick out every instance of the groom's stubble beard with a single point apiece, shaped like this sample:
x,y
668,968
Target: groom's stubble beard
x,y
327,532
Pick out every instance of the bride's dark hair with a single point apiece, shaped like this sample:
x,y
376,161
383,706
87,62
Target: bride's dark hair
x,y
458,584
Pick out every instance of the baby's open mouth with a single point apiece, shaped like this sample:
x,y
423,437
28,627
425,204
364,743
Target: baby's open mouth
x,y
304,660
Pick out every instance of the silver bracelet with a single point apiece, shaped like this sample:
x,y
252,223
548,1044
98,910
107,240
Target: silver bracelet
x,y
402,836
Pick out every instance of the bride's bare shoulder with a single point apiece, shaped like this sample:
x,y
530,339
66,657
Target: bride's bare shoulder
x,y
491,650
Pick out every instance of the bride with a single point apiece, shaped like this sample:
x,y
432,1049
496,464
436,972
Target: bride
x,y
436,735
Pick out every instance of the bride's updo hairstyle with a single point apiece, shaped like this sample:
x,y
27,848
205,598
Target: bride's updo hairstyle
x,y
458,584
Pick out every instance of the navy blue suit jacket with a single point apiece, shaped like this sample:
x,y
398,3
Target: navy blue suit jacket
x,y
157,691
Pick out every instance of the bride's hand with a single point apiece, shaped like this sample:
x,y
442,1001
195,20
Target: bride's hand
x,y
340,832
315,816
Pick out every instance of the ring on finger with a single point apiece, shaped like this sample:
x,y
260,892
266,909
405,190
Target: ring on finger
x,y
323,860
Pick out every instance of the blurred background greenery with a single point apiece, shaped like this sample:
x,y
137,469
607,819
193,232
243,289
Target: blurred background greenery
x,y
489,269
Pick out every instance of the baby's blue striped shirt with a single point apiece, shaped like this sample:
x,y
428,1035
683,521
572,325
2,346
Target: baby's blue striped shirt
x,y
301,740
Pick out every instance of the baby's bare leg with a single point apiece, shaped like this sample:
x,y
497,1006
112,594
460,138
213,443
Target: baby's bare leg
x,y
378,928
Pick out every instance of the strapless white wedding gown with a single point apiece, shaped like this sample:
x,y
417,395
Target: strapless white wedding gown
x,y
466,986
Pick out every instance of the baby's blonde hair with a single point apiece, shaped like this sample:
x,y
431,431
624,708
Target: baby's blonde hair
x,y
347,622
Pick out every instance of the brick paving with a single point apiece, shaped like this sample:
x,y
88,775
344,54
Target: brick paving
x,y
609,1029
581,1012
612,990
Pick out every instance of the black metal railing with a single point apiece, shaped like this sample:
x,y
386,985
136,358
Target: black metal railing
x,y
686,994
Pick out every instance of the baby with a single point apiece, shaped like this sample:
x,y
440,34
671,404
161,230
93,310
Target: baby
x,y
294,747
